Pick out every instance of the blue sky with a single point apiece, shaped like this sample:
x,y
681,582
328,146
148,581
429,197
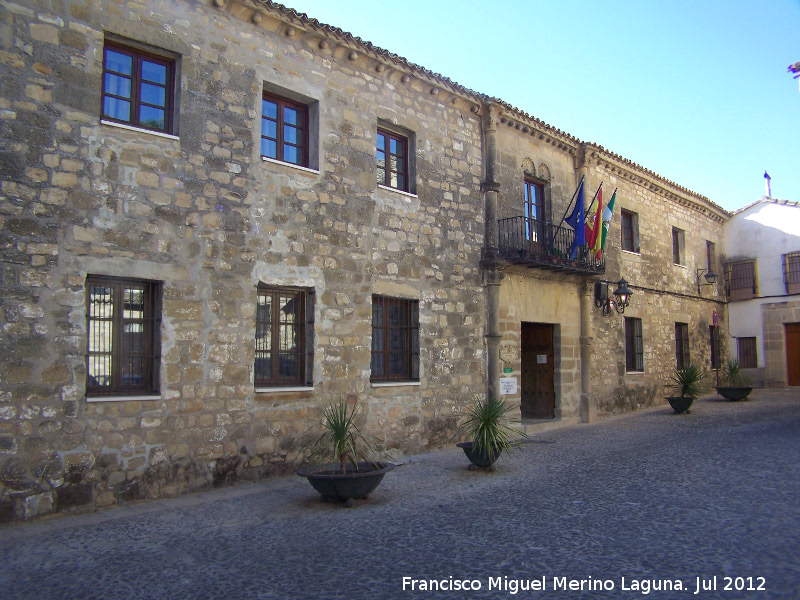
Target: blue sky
x,y
697,91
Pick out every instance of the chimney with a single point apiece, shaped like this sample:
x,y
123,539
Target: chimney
x,y
768,179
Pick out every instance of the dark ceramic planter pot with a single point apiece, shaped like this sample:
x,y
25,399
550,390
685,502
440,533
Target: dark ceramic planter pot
x,y
479,459
332,484
680,404
734,392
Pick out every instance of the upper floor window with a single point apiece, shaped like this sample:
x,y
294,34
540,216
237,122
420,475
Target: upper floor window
x,y
138,88
711,255
392,157
677,246
123,318
634,345
284,130
740,279
534,210
682,345
630,231
791,272
395,339
284,337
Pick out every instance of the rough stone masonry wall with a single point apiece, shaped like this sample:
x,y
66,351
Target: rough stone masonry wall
x,y
668,292
207,217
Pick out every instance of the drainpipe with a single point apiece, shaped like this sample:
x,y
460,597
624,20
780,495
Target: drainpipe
x,y
587,407
491,264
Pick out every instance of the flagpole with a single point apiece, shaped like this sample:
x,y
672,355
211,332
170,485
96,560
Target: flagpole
x,y
574,194
593,199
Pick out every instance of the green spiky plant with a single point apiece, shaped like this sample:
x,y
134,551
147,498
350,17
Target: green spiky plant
x,y
487,426
687,381
732,374
341,442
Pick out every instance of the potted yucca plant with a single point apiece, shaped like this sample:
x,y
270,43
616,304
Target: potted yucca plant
x,y
736,382
688,382
341,464
488,431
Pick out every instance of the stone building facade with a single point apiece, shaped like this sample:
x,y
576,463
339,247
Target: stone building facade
x,y
217,217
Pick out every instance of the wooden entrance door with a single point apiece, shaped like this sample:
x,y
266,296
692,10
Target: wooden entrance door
x,y
792,353
538,397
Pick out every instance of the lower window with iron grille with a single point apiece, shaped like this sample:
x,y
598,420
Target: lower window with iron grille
x,y
123,319
395,340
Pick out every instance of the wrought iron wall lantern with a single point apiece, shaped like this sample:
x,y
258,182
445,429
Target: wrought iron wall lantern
x,y
710,277
619,302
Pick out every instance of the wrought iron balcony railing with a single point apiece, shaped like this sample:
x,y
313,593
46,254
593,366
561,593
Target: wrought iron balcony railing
x,y
535,243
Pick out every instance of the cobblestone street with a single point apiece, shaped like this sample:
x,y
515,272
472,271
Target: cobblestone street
x,y
629,505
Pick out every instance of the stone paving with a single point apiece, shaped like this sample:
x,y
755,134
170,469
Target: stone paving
x,y
628,505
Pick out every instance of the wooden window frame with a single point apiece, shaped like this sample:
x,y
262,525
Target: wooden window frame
x,y
634,345
678,257
280,124
385,358
791,272
111,317
682,355
271,337
747,351
711,255
139,56
741,282
384,174
629,233
534,210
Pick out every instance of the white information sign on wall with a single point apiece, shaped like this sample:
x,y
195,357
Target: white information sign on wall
x,y
508,386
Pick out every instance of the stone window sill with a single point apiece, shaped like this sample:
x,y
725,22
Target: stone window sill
x,y
396,191
122,398
393,383
140,130
279,390
267,159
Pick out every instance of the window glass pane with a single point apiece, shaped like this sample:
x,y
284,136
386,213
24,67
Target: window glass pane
x,y
153,94
288,366
118,86
269,109
399,164
291,134
269,148
118,62
117,109
269,129
393,146
377,364
154,72
151,117
381,142
291,155
291,116
400,182
397,364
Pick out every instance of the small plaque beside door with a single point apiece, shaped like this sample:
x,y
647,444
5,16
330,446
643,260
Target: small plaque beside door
x,y
541,359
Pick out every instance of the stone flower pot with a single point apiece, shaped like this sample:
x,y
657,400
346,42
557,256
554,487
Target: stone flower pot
x,y
332,484
479,459
733,393
680,404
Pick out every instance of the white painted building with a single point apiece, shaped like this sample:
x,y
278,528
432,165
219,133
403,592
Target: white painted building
x,y
762,282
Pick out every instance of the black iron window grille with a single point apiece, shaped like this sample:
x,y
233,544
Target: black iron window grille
x,y
682,345
634,345
124,336
284,337
395,339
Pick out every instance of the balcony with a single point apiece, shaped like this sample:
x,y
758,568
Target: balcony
x,y
537,244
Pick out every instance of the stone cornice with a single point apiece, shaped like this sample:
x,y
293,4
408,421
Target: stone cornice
x,y
627,169
385,64
329,39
